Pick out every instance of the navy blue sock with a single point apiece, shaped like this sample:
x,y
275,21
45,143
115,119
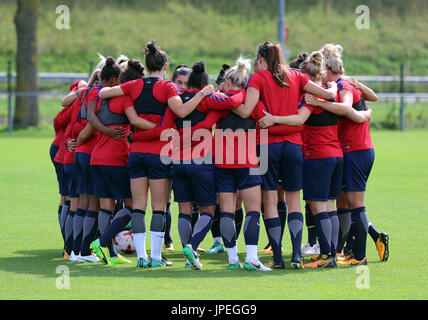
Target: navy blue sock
x,y
252,228
202,226
215,225
295,226
344,216
195,215
323,224
69,232
167,237
273,227
350,240
360,222
374,234
310,224
79,218
90,228
334,231
185,228
282,213
228,229
239,218
120,220
263,218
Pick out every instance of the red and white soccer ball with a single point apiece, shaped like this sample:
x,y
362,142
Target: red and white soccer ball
x,y
124,242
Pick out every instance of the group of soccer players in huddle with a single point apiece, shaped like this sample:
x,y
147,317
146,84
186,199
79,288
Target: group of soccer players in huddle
x,y
127,136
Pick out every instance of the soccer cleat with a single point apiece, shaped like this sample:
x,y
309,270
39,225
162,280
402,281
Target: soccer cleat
x,y
216,248
353,262
267,249
91,258
192,256
200,250
66,256
73,257
255,266
308,250
119,260
315,257
344,257
187,265
169,246
273,265
103,255
128,226
166,261
154,263
324,261
142,263
382,245
296,262
235,265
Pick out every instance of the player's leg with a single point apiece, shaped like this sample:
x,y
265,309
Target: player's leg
x,y
159,191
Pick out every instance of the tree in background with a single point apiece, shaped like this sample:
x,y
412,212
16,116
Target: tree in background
x,y
26,107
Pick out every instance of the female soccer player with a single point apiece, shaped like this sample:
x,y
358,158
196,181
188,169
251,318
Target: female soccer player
x,y
87,139
323,161
358,155
147,169
234,175
281,89
110,171
192,169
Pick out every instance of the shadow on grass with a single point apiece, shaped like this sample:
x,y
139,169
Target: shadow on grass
x,y
44,263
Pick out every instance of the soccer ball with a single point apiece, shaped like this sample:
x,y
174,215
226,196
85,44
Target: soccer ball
x,y
124,242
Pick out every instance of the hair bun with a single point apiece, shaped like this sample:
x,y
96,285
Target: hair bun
x,y
225,67
316,58
199,67
136,65
110,61
181,66
151,47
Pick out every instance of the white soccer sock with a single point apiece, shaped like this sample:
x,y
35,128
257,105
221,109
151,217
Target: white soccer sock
x,y
233,254
156,244
218,239
251,253
140,244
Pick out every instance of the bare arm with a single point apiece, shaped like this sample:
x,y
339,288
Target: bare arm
x,y
113,132
86,133
69,99
181,109
138,122
108,92
340,108
295,120
330,93
343,108
368,94
251,100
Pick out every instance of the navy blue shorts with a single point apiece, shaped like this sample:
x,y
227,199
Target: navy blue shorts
x,y
194,182
322,178
231,180
111,182
357,166
141,165
82,163
69,180
58,166
285,163
53,151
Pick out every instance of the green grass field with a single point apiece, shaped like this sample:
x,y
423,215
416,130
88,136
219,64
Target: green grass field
x,y
30,249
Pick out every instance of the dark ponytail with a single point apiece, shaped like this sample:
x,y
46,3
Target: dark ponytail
x,y
110,70
221,79
134,71
155,58
198,78
296,62
274,57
